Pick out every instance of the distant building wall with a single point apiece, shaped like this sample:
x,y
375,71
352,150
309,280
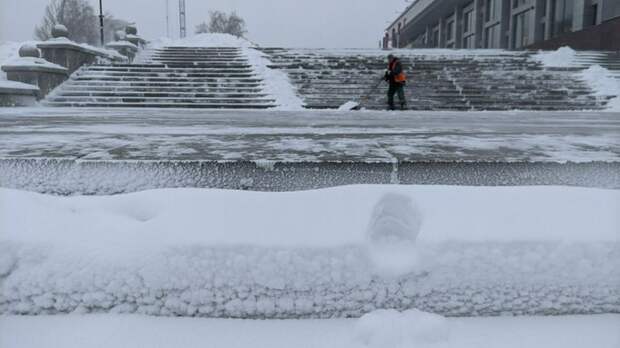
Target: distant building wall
x,y
509,24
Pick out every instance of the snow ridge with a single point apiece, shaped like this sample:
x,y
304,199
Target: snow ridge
x,y
221,254
277,83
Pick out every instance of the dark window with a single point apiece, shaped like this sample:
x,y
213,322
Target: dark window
x,y
594,14
563,22
519,3
435,37
522,26
450,31
492,37
493,10
469,42
468,21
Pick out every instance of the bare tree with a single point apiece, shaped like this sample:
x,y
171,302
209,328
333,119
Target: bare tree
x,y
77,15
111,25
202,28
220,22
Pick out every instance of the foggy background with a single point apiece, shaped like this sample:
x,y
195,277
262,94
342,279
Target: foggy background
x,y
289,23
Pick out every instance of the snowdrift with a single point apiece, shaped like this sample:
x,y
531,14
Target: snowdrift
x,y
343,252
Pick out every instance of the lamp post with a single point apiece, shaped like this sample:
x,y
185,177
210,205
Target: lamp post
x,y
101,22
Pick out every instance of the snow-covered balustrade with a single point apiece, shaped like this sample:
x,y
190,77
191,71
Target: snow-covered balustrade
x,y
64,52
171,76
437,79
33,71
456,251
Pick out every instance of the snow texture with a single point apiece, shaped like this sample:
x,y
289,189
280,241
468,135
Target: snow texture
x,y
105,177
231,254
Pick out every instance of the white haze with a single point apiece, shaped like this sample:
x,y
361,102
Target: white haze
x,y
290,23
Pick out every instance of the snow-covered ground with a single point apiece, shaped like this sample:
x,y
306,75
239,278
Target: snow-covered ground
x,y
385,330
340,252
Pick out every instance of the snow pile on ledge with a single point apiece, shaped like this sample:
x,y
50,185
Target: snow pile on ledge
x,y
603,84
276,82
211,253
205,40
564,57
17,85
34,62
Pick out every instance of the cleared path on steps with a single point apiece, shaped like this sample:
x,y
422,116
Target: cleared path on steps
x,y
121,150
442,79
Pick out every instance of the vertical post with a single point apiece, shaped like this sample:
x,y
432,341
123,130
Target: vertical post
x,y
168,18
101,22
182,21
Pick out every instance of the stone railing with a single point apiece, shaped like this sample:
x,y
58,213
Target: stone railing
x,y
43,67
36,73
62,51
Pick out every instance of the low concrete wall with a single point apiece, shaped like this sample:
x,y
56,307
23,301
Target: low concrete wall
x,y
68,177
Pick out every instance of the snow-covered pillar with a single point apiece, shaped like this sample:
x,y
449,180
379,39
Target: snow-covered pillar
x,y
123,46
31,69
133,37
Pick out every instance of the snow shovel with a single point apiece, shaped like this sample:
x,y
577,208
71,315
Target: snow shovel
x,y
351,105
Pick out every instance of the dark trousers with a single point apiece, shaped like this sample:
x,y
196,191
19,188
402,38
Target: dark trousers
x,y
396,88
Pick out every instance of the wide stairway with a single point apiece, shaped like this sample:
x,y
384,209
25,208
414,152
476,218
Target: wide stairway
x,y
189,77
438,80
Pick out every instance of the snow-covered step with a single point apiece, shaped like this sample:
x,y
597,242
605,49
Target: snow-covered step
x,y
510,80
170,77
190,105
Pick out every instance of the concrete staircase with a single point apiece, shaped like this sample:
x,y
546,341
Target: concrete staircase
x,y
214,77
457,80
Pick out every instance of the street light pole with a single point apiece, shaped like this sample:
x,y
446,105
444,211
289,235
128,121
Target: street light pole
x,y
101,22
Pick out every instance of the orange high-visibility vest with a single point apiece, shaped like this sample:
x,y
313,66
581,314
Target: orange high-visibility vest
x,y
400,78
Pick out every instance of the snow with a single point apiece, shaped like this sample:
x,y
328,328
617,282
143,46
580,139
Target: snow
x,y
34,62
204,40
348,106
121,331
17,85
8,51
211,253
277,83
390,328
312,136
108,53
562,58
604,85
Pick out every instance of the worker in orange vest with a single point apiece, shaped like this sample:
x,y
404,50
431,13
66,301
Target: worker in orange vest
x,y
397,79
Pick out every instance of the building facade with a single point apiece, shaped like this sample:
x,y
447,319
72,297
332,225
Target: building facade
x,y
508,24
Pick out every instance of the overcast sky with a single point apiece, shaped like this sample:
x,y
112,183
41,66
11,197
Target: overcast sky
x,y
291,23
